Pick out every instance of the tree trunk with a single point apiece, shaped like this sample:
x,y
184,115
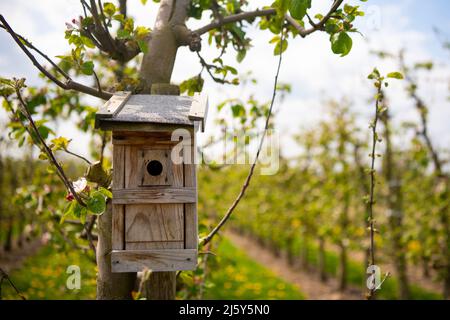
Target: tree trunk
x,y
395,220
110,286
342,267
304,262
157,66
322,260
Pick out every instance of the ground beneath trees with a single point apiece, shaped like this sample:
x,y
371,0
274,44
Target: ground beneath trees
x,y
14,259
308,282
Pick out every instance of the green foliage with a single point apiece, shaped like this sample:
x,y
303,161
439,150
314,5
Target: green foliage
x,y
298,8
341,43
192,85
235,276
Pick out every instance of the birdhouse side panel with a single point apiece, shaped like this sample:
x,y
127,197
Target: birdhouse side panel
x,y
154,204
153,226
190,209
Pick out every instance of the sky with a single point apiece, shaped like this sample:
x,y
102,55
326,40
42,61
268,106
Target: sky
x,y
314,72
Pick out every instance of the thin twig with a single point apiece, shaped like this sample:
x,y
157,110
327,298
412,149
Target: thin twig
x,y
244,16
77,156
4,275
244,187
69,84
47,149
209,68
379,98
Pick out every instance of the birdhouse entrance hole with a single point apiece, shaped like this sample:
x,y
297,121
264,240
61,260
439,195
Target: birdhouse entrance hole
x,y
154,168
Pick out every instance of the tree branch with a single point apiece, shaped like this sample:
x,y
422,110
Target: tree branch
x,y
4,275
243,16
69,84
246,184
47,149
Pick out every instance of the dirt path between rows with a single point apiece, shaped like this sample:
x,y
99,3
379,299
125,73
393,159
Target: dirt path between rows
x,y
308,283
13,260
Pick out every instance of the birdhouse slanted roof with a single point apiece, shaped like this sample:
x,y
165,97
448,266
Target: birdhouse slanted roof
x,y
144,112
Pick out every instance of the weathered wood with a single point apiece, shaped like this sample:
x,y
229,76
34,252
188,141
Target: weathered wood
x,y
154,245
154,195
146,223
113,106
118,227
190,209
161,156
160,260
110,285
199,109
118,167
118,211
142,127
161,109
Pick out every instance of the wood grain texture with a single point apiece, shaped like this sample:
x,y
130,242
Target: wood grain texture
x,y
199,109
158,260
118,167
155,195
165,178
154,222
155,245
190,210
113,106
118,211
118,227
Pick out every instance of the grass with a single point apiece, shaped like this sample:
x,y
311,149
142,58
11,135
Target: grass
x,y
357,277
236,276
44,276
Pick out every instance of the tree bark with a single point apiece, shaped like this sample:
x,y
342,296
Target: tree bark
x,y
157,66
395,220
158,62
110,286
322,260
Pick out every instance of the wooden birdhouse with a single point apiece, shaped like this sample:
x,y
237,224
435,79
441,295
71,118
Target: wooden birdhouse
x,y
154,180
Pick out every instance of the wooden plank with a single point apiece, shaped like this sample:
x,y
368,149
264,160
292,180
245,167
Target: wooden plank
x,y
155,245
160,157
160,139
156,260
132,167
118,167
108,124
147,223
118,211
154,195
199,107
113,106
118,227
190,210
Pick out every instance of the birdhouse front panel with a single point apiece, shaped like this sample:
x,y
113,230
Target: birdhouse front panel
x,y
154,222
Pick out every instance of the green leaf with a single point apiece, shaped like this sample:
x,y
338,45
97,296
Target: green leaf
x,y
105,192
87,42
280,47
60,143
109,8
341,43
395,75
96,203
68,210
87,68
298,8
123,34
143,46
